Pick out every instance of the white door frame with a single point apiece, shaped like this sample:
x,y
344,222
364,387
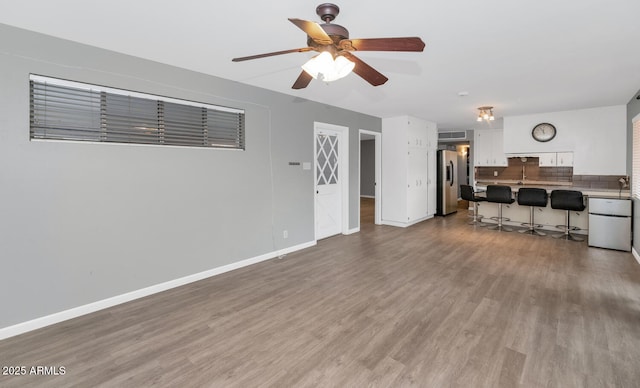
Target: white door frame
x,y
343,171
377,137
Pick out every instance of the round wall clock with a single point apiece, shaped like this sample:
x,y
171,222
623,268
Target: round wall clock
x,y
544,132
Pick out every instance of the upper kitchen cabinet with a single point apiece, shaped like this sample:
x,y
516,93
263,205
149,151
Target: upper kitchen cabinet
x,y
564,159
489,148
421,134
547,159
409,147
555,159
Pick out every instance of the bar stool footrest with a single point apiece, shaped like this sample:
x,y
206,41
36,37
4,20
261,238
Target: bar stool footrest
x,y
500,227
567,236
533,231
564,227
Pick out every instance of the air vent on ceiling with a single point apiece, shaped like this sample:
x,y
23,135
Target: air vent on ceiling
x,y
452,136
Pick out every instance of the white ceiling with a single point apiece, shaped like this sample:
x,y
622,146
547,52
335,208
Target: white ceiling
x,y
519,56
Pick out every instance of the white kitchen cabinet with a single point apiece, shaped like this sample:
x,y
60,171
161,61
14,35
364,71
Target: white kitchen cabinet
x,y
416,136
489,148
417,179
482,148
497,151
408,170
555,159
547,159
432,149
564,159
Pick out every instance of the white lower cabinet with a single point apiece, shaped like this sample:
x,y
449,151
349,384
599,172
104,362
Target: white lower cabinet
x,y
408,170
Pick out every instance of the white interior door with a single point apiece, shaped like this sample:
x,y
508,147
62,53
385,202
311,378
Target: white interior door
x,y
328,207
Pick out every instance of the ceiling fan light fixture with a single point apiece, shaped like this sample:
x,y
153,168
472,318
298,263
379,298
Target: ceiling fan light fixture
x,y
343,66
318,64
325,68
341,61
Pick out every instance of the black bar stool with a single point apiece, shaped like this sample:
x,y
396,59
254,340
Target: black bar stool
x,y
468,194
568,200
532,197
500,194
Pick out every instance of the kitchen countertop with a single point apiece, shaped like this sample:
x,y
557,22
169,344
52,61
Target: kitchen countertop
x,y
549,186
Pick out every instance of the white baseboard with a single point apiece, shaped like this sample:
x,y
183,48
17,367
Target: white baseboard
x,y
406,224
635,254
367,196
395,223
352,231
75,312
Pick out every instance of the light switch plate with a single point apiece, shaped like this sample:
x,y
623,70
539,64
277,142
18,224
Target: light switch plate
x,y
306,165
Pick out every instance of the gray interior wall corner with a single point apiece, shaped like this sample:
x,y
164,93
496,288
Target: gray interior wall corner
x,y
81,223
633,110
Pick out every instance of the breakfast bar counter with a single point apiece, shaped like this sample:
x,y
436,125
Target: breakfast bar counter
x,y
545,216
550,186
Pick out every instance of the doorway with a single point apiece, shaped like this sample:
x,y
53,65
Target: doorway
x,y
331,179
370,209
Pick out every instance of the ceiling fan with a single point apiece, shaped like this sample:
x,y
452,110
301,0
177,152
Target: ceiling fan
x,y
334,39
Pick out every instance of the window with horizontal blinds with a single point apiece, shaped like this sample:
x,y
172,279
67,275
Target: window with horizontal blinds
x,y
65,113
66,110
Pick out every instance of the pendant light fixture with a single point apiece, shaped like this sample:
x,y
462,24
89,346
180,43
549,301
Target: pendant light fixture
x,y
485,113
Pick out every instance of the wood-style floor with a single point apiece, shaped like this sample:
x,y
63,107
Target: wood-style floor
x,y
438,304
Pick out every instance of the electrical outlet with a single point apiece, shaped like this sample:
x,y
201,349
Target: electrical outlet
x,y
495,173
285,234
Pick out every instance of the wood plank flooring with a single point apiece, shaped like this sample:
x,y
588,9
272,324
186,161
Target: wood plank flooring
x,y
438,304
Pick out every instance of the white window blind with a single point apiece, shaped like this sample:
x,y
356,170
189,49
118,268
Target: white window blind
x,y
635,178
65,110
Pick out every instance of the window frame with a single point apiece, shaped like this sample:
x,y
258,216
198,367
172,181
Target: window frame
x,y
635,158
238,130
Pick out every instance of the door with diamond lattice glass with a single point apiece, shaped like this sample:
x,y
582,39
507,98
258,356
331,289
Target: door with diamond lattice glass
x,y
328,186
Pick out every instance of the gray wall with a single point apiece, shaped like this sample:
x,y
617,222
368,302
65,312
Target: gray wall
x,y
83,222
367,168
633,109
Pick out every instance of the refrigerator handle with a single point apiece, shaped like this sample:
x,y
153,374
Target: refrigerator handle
x,y
452,172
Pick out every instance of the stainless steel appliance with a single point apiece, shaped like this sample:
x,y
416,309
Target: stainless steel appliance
x,y
447,182
610,223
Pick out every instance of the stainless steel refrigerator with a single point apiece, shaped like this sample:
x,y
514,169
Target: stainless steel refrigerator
x,y
447,182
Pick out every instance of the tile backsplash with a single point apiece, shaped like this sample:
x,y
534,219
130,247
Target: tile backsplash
x,y
533,172
598,181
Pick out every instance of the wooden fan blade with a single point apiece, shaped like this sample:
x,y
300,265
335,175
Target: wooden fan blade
x,y
313,30
298,50
365,71
303,80
388,44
